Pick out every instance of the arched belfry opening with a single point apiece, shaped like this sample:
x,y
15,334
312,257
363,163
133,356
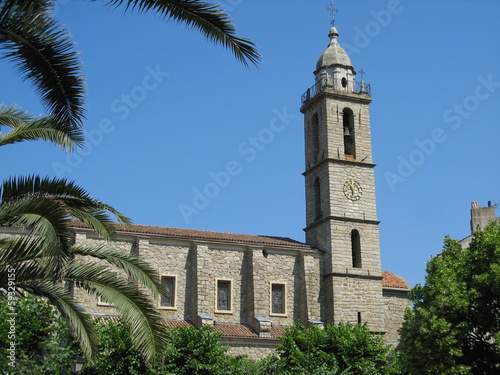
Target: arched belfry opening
x,y
317,199
356,249
315,138
349,136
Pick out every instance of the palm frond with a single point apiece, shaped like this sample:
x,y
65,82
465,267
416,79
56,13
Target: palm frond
x,y
33,276
147,331
133,266
208,18
15,251
26,127
45,221
16,187
73,202
43,54
81,322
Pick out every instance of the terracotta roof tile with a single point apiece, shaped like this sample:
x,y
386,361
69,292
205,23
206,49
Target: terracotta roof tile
x,y
195,234
278,331
177,323
389,280
243,330
116,318
227,329
234,330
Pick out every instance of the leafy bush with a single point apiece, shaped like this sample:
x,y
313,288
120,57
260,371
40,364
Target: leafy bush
x,y
336,349
195,351
40,338
190,351
117,355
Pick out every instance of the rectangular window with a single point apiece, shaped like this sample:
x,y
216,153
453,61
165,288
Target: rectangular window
x,y
101,301
278,298
223,295
168,283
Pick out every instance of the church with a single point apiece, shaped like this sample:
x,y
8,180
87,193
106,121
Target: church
x,y
251,287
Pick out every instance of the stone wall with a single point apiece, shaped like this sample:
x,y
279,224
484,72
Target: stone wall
x,y
251,348
314,291
171,259
395,304
197,267
358,300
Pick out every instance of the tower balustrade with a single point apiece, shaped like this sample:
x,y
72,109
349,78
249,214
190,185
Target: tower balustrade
x,y
340,85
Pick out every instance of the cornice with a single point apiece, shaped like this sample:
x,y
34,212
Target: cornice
x,y
341,218
339,161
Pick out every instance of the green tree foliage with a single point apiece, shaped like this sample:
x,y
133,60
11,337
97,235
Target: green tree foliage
x,y
194,351
117,353
336,349
189,351
454,327
37,335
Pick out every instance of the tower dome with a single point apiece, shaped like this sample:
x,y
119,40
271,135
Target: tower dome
x,y
334,53
334,68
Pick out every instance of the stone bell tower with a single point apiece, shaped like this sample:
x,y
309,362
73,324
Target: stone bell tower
x,y
340,189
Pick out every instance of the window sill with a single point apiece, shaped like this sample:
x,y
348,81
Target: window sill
x,y
167,307
226,312
279,315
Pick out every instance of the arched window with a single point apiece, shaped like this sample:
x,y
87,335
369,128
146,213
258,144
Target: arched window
x,y
317,199
356,249
315,138
349,136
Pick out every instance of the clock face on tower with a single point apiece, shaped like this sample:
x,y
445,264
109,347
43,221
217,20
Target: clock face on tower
x,y
352,190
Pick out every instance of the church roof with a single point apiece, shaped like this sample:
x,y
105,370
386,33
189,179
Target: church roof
x,y
334,53
389,280
196,234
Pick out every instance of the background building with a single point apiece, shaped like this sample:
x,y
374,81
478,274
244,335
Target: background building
x,y
479,218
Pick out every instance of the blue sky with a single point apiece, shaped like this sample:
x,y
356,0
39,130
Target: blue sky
x,y
168,111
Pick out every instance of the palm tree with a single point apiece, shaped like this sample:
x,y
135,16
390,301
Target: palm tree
x,y
45,256
43,53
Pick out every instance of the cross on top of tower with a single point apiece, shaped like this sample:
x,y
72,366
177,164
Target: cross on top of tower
x,y
362,72
333,11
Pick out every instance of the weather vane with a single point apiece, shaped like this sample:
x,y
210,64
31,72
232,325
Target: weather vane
x,y
333,12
